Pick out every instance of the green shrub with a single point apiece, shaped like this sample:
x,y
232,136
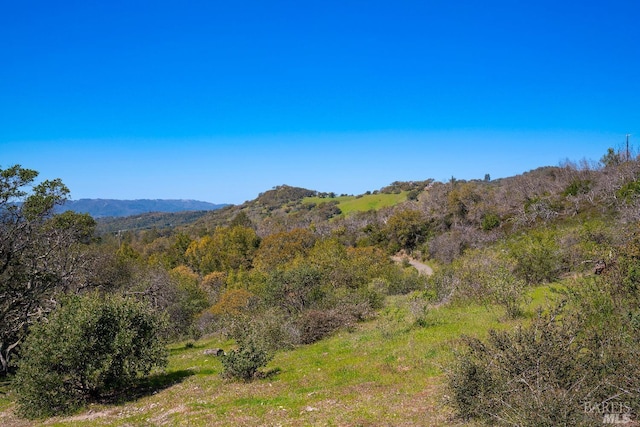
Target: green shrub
x,y
490,221
243,363
629,191
577,186
507,290
270,329
406,281
419,308
90,347
538,256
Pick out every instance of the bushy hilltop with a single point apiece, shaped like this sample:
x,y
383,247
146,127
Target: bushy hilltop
x,y
443,218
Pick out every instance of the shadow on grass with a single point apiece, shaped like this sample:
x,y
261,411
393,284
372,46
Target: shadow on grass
x,y
188,346
147,386
269,373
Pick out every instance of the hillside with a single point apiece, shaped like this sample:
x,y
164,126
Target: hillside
x,y
294,205
387,371
99,208
525,305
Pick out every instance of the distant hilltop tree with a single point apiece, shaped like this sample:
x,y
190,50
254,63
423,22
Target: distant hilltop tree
x,y
282,194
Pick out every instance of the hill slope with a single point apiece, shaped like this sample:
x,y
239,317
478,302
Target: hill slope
x,y
388,371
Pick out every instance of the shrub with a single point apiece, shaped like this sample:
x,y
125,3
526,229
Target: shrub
x,y
406,281
270,329
243,363
317,324
507,291
490,221
90,347
530,377
448,246
481,275
419,309
538,256
190,301
545,373
406,229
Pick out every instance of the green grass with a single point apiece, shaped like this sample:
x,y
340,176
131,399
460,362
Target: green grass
x,y
351,204
543,297
389,371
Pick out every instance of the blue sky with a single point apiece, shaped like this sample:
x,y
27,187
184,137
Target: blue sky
x,y
220,100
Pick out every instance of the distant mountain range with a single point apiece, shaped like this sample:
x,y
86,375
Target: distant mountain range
x,y
100,208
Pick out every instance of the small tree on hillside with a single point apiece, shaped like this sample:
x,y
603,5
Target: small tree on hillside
x,y
406,229
243,363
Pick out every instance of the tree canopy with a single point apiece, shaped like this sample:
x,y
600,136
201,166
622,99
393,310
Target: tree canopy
x,y
39,254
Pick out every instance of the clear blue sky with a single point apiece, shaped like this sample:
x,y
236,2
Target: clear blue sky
x,y
220,100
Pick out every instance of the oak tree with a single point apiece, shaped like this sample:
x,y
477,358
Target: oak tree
x,y
41,254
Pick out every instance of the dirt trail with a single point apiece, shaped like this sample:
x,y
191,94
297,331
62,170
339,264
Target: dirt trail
x,y
421,267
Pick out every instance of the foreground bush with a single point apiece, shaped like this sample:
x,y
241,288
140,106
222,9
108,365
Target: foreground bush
x,y
576,366
530,377
243,363
90,347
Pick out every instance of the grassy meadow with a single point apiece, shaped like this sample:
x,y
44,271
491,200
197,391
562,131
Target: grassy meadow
x,y
367,202
388,371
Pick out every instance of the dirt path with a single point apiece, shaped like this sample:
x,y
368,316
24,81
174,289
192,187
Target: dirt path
x,y
421,267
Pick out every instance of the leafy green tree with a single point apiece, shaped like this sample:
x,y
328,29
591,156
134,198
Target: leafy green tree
x,y
279,248
90,347
612,158
41,254
127,253
329,258
202,255
229,248
190,300
295,289
366,264
406,229
168,251
233,303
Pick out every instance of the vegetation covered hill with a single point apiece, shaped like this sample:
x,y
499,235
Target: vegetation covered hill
x,y
530,317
